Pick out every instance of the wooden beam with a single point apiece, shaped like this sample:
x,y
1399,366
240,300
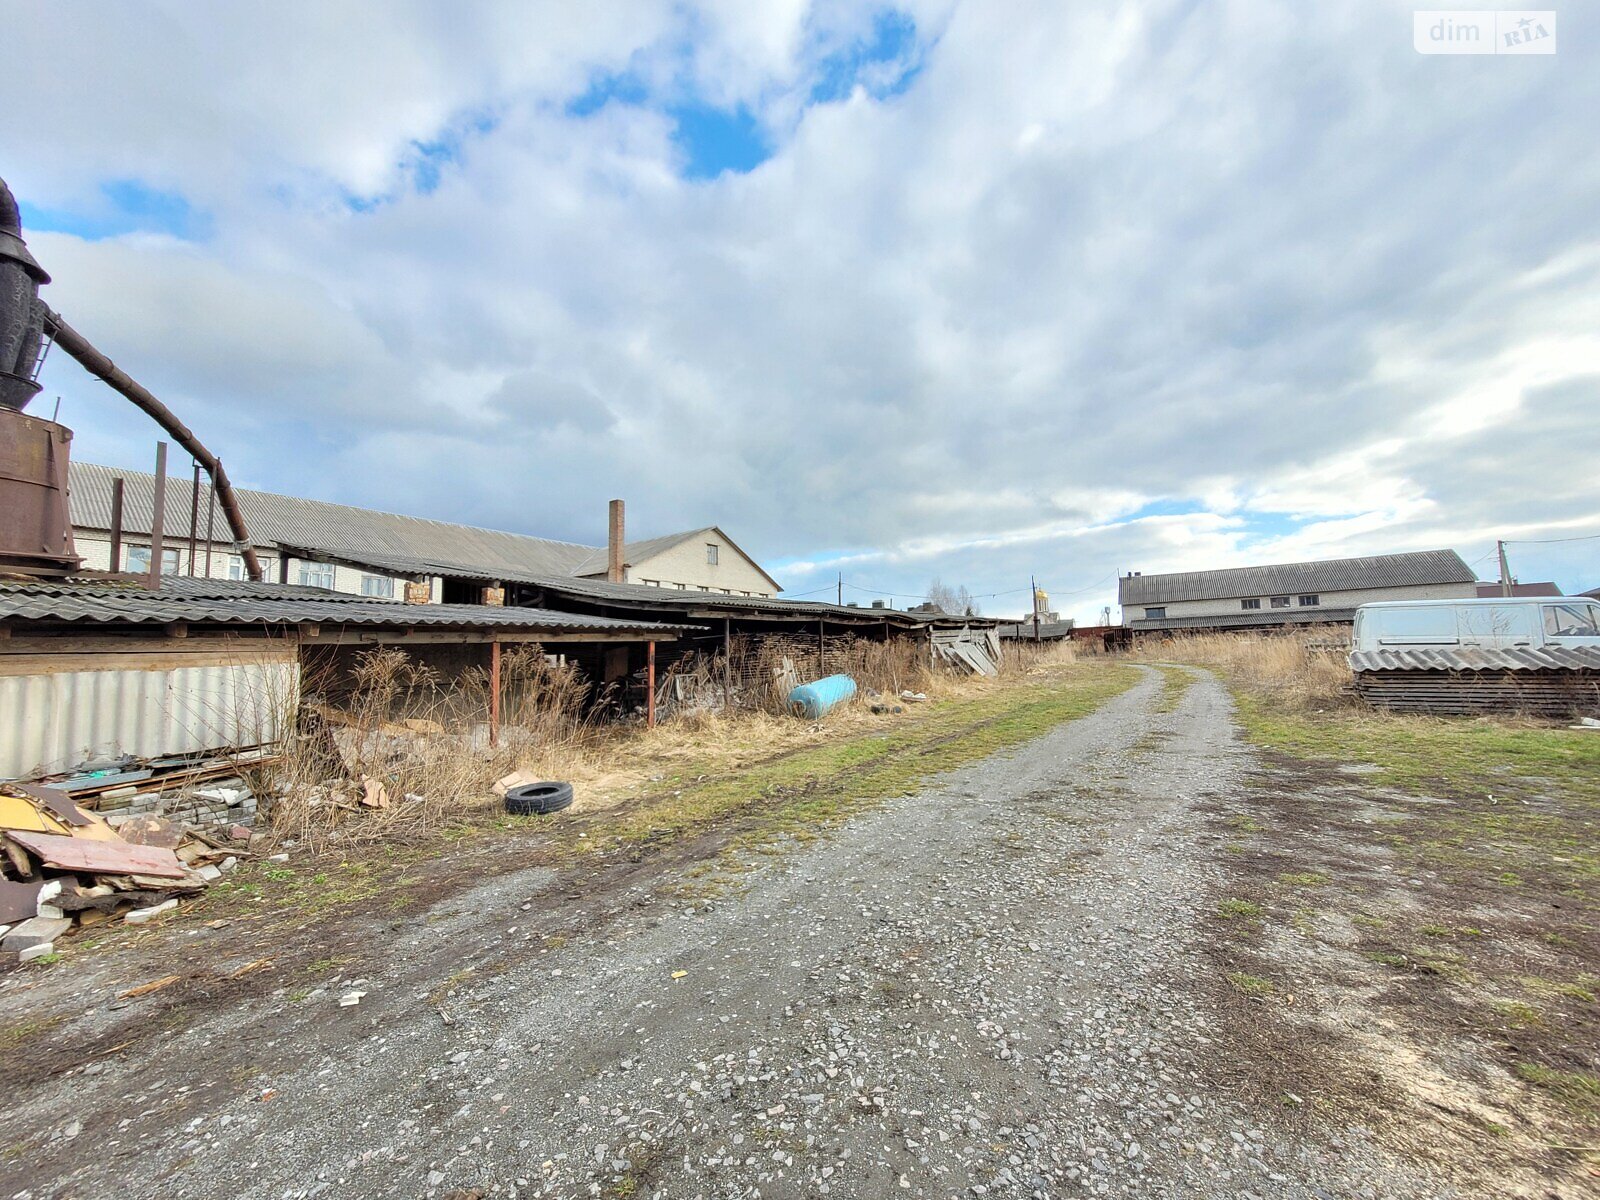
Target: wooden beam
x,y
650,685
494,693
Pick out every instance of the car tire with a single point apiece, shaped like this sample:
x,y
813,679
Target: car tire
x,y
538,799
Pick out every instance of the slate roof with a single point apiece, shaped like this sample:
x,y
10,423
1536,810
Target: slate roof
x,y
1478,658
108,602
637,552
1416,569
289,520
638,595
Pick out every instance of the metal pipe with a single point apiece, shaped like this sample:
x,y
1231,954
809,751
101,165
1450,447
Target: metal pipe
x,y
211,524
116,523
102,368
158,518
194,514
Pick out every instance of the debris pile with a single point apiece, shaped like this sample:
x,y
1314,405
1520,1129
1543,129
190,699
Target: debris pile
x,y
64,866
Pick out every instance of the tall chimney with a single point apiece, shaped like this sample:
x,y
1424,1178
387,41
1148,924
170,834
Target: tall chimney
x,y
614,564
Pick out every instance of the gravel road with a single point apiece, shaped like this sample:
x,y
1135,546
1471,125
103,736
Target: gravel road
x,y
992,988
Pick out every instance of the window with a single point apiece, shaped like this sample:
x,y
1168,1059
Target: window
x,y
1155,614
1253,602
711,554
1570,620
376,585
139,560
235,567
316,575
1310,601
1280,602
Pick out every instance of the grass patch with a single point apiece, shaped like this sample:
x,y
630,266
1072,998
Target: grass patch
x,y
1250,985
1234,908
17,1033
1175,683
1519,1014
821,786
1579,1091
1306,879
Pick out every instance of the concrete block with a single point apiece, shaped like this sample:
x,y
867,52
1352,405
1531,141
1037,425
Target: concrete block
x,y
35,931
140,916
39,951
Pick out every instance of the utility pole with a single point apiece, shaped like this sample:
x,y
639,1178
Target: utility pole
x,y
1505,570
1033,589
841,589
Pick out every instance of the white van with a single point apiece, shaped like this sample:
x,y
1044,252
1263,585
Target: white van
x,y
1493,623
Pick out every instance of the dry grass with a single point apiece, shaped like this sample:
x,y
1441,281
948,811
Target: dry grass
x,y
1020,659
425,739
1291,670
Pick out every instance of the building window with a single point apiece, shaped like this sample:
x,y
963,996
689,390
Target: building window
x,y
682,587
235,567
1310,601
711,554
375,585
1253,602
1280,602
1155,614
139,560
316,575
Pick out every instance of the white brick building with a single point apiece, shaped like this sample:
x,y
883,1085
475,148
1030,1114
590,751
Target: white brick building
x,y
1326,592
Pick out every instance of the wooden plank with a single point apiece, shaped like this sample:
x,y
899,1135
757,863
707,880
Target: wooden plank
x,y
99,858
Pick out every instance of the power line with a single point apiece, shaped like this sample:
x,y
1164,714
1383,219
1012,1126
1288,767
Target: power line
x,y
1586,537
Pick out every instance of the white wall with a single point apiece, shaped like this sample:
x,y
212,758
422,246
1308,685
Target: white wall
x,y
1231,606
686,564
95,549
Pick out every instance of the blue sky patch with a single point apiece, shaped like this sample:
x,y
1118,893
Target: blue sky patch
x,y
894,37
125,206
715,140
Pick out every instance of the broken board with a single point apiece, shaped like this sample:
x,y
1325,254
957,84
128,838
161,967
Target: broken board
x,y
95,857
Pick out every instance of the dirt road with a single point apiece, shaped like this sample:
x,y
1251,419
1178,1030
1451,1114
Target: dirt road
x,y
994,987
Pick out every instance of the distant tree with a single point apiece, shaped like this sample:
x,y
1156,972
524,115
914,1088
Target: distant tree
x,y
952,601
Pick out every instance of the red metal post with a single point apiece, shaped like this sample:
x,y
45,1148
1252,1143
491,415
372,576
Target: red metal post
x,y
650,685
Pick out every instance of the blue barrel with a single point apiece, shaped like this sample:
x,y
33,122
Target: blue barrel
x,y
815,699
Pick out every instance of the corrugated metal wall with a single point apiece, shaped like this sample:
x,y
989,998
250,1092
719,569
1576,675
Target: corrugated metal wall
x,y
51,722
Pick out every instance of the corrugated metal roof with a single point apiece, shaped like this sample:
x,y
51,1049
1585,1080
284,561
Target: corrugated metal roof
x,y
601,591
287,519
1416,569
104,605
184,586
1241,620
1477,658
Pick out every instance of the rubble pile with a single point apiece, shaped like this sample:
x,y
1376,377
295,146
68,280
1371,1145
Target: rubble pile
x,y
64,866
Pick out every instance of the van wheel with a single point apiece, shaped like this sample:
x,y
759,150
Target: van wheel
x,y
538,799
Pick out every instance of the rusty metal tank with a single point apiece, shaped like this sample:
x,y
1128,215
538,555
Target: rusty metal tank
x,y
35,524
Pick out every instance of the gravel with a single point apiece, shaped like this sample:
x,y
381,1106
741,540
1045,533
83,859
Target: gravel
x,y
986,989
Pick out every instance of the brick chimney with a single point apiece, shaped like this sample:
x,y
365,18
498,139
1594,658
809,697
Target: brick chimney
x,y
614,563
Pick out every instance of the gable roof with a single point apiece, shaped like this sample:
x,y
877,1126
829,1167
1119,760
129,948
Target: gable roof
x,y
1416,569
298,524
636,553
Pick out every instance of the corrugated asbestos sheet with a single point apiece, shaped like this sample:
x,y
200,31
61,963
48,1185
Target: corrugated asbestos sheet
x,y
1475,658
666,599
288,519
53,722
1287,579
133,605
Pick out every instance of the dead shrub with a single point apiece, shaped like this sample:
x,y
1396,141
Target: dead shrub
x,y
1019,658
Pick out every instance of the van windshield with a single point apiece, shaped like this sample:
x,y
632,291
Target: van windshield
x,y
1571,620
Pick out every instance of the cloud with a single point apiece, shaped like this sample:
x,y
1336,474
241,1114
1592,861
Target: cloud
x,y
1049,291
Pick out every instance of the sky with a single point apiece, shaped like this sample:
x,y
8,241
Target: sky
x,y
983,292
